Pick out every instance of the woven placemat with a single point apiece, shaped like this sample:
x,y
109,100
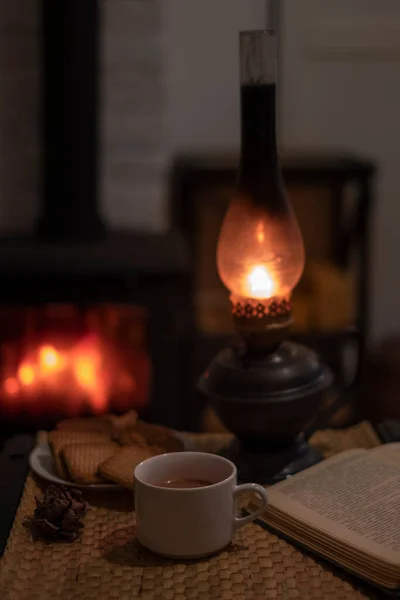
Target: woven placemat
x,y
107,562
327,441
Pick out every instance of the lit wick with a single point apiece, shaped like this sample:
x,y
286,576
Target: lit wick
x,y
259,283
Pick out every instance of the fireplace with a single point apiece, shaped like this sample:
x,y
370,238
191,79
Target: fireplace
x,y
91,327
65,360
90,320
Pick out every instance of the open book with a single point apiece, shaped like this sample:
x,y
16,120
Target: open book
x,y
346,509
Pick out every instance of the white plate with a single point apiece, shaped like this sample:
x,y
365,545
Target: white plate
x,y
42,463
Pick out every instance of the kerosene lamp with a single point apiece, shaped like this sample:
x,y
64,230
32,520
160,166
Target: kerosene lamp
x,y
266,390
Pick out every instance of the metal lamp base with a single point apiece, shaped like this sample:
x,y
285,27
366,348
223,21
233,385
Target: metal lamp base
x,y
270,465
268,397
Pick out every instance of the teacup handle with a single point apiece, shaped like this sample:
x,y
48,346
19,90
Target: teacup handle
x,y
257,489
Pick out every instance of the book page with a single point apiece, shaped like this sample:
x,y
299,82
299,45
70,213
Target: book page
x,y
388,452
354,496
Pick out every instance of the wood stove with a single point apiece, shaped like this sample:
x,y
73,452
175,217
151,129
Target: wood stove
x,y
89,319
122,290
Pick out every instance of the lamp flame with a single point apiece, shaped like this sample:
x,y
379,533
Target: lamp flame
x,y
260,283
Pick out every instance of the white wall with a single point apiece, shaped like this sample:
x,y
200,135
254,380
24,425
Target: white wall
x,y
341,89
132,115
133,157
202,79
200,54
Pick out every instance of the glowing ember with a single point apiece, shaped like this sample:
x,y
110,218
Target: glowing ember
x,y
259,283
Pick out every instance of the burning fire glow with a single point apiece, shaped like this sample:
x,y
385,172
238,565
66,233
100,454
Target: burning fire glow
x,y
26,374
84,376
50,360
259,283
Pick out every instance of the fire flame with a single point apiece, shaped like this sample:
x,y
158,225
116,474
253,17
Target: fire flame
x,y
83,375
50,360
26,374
259,283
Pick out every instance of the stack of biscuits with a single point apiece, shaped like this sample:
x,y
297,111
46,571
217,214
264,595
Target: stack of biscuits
x,y
107,449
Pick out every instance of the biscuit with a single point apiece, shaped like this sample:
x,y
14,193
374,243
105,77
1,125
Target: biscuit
x,y
152,436
92,424
133,438
120,467
58,439
82,460
122,422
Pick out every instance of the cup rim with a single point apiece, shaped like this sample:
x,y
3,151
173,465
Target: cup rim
x,y
189,489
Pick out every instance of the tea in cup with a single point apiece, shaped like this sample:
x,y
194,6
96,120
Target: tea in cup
x,y
186,503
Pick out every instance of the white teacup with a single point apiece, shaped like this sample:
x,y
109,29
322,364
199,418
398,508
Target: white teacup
x,y
189,522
